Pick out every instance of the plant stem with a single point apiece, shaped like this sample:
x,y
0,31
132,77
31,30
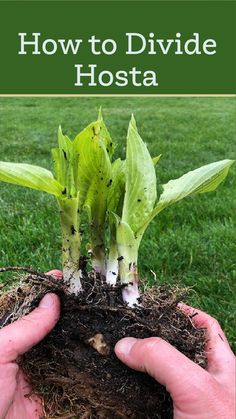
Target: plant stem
x,y
130,293
98,248
71,243
112,264
128,256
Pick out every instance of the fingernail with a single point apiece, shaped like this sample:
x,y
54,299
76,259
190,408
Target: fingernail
x,y
56,273
47,301
125,345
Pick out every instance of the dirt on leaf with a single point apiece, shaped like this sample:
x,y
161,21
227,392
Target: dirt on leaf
x,y
75,370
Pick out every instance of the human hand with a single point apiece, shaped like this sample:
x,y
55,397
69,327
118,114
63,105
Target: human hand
x,y
196,393
16,399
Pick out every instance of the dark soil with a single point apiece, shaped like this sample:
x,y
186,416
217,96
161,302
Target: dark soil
x,y
75,369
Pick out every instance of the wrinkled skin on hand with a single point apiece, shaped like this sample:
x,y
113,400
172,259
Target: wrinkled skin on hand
x,y
196,393
16,399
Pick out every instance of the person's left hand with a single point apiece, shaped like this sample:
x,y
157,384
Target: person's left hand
x,y
16,398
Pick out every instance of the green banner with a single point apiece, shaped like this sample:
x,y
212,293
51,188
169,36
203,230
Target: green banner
x,y
132,47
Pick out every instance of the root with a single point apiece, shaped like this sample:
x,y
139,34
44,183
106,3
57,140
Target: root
x,y
25,297
74,369
21,269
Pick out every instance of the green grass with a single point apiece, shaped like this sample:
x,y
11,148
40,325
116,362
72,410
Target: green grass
x,y
192,243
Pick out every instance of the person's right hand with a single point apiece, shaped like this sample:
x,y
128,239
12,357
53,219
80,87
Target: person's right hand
x,y
196,393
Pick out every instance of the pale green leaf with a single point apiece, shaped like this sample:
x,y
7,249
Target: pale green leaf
x,y
30,176
105,135
94,181
94,171
100,116
204,179
140,188
128,245
63,141
65,164
156,159
116,192
127,242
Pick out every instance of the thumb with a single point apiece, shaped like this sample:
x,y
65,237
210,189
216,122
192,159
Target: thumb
x,y
163,362
18,337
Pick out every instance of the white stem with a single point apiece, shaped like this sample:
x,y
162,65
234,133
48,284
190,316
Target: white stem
x,y
99,265
129,276
73,280
70,244
97,248
112,271
112,264
131,294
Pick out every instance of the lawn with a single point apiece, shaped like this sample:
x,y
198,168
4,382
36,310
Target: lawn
x,y
192,243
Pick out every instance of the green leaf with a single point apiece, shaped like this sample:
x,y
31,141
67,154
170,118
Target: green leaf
x,y
64,141
94,169
104,133
125,235
66,164
116,192
204,179
33,177
201,180
128,246
94,181
156,159
140,193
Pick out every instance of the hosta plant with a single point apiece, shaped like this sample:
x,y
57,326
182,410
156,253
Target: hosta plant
x,y
74,369
119,196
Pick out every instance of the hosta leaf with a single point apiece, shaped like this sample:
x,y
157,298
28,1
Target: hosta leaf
x,y
125,234
140,193
33,177
94,171
127,242
156,159
116,192
204,179
66,164
110,146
